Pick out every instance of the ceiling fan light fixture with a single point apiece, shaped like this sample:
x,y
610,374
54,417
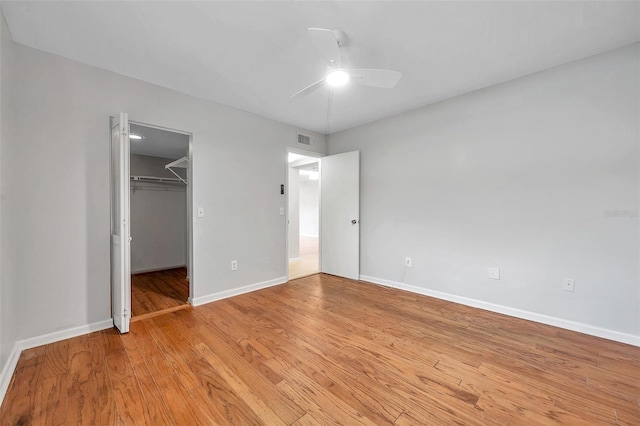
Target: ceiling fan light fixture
x,y
338,77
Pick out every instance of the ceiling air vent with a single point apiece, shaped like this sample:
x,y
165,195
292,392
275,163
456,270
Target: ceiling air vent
x,y
304,139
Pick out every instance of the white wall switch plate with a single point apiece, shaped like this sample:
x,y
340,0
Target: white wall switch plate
x,y
234,265
407,262
200,211
281,211
493,273
569,284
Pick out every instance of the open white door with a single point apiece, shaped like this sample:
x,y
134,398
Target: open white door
x,y
120,233
340,214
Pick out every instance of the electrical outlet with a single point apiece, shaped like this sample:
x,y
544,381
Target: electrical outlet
x,y
234,265
407,261
493,273
569,284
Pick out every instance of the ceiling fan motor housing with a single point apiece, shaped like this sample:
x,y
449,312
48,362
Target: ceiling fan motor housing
x,y
341,37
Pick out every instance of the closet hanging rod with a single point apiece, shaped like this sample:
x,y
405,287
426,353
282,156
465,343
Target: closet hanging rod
x,y
162,188
155,179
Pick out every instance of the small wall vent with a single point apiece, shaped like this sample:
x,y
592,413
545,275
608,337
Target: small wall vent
x,y
304,140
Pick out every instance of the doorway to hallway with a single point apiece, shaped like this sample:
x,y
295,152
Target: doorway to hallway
x,y
304,215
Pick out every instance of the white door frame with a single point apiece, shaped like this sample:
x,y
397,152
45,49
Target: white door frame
x,y
306,153
189,199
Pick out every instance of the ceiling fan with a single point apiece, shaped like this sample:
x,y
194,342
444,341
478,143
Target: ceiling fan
x,y
328,42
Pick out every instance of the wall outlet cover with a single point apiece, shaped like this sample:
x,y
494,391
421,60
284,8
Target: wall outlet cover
x,y
569,284
493,273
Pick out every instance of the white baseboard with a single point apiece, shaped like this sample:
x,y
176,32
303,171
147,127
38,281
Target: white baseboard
x,y
592,330
8,369
163,268
197,301
21,345
64,334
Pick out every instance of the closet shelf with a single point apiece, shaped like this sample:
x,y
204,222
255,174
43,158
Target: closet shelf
x,y
181,163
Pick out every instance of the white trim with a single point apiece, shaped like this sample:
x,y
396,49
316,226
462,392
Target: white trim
x,y
166,129
379,281
197,301
592,330
162,268
10,366
65,334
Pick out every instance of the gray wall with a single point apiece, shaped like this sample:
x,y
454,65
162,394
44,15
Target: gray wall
x,y
294,213
309,206
57,188
7,259
518,176
158,217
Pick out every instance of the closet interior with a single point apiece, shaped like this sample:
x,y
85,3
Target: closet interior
x,y
158,172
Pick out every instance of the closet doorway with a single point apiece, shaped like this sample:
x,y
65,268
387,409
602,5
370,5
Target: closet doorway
x,y
159,226
303,215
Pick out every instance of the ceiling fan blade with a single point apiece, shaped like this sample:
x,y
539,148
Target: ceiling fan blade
x,y
385,79
309,89
326,42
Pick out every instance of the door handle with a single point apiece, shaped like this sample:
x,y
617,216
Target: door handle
x,y
130,238
354,221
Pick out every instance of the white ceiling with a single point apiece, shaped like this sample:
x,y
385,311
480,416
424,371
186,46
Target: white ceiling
x,y
254,55
158,142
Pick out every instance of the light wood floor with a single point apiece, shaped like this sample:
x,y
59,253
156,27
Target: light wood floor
x,y
323,350
158,291
307,263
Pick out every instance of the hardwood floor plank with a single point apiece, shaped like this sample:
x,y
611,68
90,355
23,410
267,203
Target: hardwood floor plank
x,y
159,367
322,407
171,358
219,399
107,411
306,420
182,407
82,399
159,290
50,405
55,359
20,397
119,366
80,360
131,406
159,412
247,384
326,350
32,355
111,341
